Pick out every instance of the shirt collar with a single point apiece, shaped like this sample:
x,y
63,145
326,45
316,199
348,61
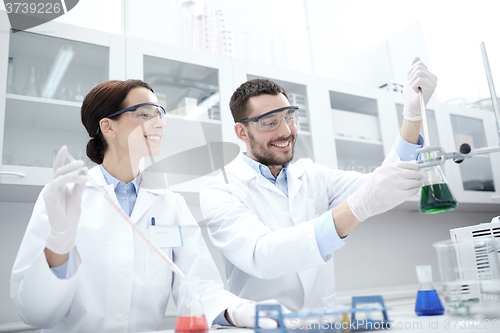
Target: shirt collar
x,y
262,169
115,182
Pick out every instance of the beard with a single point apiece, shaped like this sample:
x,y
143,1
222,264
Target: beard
x,y
266,156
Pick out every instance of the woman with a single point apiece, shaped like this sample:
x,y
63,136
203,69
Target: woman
x,y
80,267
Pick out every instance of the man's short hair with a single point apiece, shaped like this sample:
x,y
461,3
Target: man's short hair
x,y
251,88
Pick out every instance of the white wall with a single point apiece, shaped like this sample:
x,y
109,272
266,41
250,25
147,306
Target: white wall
x,y
384,250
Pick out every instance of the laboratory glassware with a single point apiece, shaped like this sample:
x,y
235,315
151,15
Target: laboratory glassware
x,y
79,93
428,302
470,276
31,87
190,314
436,196
11,85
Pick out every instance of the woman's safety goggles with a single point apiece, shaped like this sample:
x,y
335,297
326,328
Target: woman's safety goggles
x,y
271,120
144,112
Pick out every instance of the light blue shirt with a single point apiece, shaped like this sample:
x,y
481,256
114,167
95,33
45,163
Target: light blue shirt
x,y
327,237
125,193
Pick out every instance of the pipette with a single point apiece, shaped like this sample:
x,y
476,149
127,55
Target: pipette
x,y
169,262
424,118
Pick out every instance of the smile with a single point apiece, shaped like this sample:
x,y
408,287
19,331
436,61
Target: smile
x,y
154,138
282,144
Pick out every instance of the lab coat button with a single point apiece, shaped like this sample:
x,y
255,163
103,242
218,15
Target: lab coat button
x,y
295,213
313,250
119,318
126,272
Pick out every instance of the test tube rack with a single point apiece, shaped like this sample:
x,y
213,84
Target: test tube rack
x,y
354,325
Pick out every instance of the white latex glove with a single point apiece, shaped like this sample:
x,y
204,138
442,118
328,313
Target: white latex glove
x,y
63,201
243,315
387,187
419,76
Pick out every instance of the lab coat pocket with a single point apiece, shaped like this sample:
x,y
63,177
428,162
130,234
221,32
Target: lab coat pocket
x,y
156,270
317,206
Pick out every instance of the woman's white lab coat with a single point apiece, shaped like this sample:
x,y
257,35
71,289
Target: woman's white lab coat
x,y
117,283
249,221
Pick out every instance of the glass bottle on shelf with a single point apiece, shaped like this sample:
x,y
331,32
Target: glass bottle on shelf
x,y
31,87
79,93
11,85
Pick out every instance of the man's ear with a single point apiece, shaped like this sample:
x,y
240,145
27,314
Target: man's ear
x,y
241,132
107,127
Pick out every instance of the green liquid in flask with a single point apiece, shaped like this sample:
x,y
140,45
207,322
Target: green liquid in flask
x,y
436,198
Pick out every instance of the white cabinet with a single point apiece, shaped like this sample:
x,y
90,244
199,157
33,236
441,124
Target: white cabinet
x,y
342,125
47,74
192,88
297,86
475,180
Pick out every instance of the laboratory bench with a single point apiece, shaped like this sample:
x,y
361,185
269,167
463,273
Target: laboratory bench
x,y
404,319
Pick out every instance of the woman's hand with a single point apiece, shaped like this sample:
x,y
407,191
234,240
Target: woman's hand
x,y
63,200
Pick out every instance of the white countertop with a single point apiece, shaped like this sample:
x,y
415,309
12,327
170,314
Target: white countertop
x,y
404,319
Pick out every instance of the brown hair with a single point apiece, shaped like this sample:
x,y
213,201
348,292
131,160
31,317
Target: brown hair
x,y
251,88
105,99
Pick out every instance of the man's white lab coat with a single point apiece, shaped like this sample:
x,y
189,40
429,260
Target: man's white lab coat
x,y
249,221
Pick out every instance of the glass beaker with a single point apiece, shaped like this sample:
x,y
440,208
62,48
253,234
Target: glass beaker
x,y
31,86
428,302
436,196
190,314
11,85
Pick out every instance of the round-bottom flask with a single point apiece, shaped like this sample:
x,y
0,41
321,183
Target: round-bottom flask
x,y
190,315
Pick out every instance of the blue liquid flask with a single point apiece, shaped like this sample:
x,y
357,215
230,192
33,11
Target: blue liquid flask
x,y
428,302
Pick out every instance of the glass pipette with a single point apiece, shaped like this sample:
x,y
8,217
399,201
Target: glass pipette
x,y
169,262
424,118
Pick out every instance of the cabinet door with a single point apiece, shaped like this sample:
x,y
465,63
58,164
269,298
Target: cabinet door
x,y
47,79
356,120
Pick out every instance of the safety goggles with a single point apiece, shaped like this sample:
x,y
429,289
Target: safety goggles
x,y
272,120
144,112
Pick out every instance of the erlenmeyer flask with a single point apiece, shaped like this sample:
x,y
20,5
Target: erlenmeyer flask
x,y
31,87
190,315
428,302
436,196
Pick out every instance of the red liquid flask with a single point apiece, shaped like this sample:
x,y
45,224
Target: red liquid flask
x,y
190,315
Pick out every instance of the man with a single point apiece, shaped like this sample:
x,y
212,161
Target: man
x,y
277,223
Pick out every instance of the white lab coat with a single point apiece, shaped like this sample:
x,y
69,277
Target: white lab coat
x,y
120,284
267,240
